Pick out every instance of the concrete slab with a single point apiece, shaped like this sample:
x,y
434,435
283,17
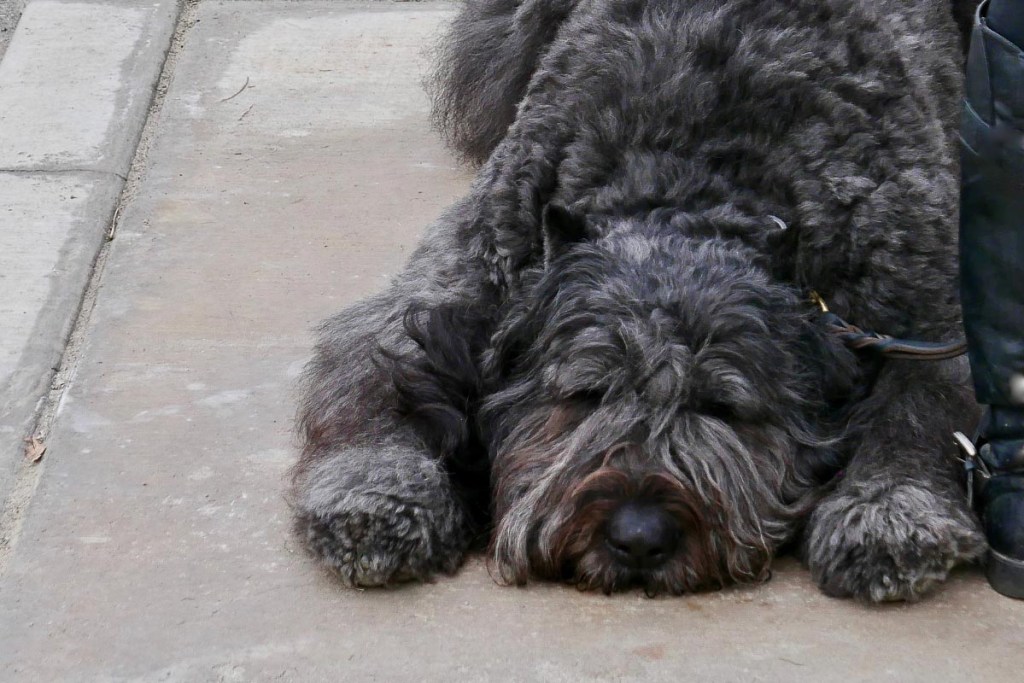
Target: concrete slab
x,y
77,80
157,545
75,87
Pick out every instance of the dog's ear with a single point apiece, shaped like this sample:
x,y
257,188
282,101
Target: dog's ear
x,y
438,383
562,227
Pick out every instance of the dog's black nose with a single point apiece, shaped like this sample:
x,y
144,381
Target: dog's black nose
x,y
641,536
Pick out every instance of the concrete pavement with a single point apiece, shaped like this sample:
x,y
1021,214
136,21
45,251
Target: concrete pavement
x,y
288,172
76,84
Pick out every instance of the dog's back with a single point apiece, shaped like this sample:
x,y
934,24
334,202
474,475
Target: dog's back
x,y
837,116
487,58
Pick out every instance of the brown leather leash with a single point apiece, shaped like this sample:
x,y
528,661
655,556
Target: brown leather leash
x,y
890,347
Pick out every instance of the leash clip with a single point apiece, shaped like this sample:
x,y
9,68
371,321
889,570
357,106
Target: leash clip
x,y
977,471
819,301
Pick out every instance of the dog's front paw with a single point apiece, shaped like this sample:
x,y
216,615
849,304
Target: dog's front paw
x,y
381,527
375,541
884,542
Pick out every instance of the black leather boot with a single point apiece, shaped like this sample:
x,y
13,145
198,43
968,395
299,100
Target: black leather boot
x,y
1000,498
992,287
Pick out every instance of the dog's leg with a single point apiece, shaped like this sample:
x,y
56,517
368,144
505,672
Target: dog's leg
x,y
371,497
379,513
898,520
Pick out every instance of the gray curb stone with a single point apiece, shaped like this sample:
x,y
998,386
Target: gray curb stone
x,y
76,83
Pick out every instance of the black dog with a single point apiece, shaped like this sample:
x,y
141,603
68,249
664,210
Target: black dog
x,y
609,346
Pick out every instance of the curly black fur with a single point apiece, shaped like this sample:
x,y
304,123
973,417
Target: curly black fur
x,y
482,68
617,312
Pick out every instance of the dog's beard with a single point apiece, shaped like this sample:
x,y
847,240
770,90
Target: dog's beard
x,y
731,489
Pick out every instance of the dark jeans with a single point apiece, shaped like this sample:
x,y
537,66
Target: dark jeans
x,y
992,225
1006,17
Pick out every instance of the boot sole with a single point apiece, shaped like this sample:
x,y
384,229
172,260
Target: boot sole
x,y
1005,574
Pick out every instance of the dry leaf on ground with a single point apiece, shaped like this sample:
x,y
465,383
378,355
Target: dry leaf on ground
x,y
34,449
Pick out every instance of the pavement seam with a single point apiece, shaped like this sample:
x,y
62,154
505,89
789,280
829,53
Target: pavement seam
x,y
61,171
28,475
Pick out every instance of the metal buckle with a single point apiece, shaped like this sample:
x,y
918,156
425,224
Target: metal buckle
x,y
977,471
819,301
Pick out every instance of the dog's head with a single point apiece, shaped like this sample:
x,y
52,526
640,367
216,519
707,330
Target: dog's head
x,y
656,401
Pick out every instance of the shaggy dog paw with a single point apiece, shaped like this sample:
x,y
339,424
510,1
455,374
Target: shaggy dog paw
x,y
881,542
375,541
378,525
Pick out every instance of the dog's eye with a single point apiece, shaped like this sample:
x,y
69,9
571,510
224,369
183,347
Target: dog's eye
x,y
717,409
587,396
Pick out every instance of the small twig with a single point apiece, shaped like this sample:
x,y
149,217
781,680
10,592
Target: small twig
x,y
113,223
246,112
240,90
